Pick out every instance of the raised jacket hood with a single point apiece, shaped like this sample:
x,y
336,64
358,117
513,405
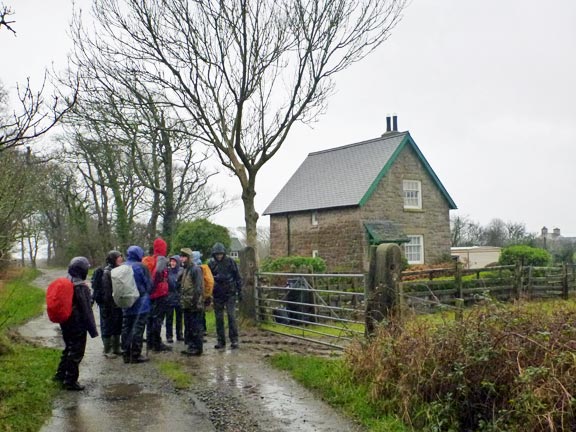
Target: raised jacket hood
x,y
218,248
135,253
78,268
197,257
160,247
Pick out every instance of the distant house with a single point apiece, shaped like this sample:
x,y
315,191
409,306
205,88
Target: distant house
x,y
560,246
235,247
342,200
476,256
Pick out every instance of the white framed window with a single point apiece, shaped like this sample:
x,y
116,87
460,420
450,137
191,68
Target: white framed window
x,y
412,194
314,218
314,253
414,249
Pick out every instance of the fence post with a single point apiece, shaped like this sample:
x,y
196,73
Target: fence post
x,y
248,271
564,281
459,302
517,280
382,284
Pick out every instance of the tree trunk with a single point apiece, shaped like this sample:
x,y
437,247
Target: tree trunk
x,y
250,215
170,212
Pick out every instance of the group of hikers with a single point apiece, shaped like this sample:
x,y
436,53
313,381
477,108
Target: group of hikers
x,y
171,291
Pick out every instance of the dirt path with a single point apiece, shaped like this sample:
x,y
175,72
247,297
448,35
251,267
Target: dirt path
x,y
231,391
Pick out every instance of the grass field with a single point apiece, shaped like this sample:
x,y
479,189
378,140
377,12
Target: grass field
x,y
26,387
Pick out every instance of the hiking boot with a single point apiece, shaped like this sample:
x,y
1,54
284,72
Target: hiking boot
x,y
126,357
220,345
116,345
179,338
234,345
58,378
75,386
162,348
139,359
169,340
191,352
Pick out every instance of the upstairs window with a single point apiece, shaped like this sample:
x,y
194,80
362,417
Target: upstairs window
x,y
414,249
412,194
314,218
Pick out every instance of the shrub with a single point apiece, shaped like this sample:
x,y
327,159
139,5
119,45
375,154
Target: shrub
x,y
200,235
527,255
294,264
500,369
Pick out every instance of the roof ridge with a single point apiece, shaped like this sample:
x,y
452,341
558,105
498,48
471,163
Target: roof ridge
x,y
385,136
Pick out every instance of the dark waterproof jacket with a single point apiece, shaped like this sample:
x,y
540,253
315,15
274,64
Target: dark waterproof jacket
x,y
174,275
82,316
227,279
143,281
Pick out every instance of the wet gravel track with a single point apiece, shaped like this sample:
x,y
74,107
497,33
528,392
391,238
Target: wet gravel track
x,y
231,391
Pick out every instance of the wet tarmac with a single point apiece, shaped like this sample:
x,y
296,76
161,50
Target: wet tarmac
x,y
232,390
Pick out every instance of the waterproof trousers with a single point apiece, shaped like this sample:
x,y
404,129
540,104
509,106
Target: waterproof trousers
x,y
133,334
73,353
230,306
174,318
193,330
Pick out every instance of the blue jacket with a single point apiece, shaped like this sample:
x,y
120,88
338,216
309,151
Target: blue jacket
x,y
134,256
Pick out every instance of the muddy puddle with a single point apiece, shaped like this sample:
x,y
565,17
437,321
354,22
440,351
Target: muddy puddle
x,y
232,390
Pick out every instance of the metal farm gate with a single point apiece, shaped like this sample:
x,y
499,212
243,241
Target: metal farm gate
x,y
324,308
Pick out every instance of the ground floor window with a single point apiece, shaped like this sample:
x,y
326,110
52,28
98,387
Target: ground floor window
x,y
414,249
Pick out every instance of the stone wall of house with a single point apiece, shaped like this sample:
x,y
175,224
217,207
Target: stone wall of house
x,y
338,237
432,221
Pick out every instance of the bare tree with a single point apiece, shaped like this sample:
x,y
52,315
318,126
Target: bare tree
x,y
5,14
124,131
244,71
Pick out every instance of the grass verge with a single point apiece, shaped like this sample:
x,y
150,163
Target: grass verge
x,y
181,379
26,387
331,380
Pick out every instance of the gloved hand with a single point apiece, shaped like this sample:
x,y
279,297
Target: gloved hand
x,y
207,301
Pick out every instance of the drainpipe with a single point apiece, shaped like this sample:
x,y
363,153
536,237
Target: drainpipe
x,y
288,236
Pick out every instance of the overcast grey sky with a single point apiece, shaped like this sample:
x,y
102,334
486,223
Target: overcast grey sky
x,y
486,88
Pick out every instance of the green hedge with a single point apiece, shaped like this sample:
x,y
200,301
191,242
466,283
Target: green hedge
x,y
294,264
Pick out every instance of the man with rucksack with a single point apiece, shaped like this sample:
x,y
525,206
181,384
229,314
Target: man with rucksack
x,y
110,313
158,266
74,329
192,299
227,289
135,316
208,286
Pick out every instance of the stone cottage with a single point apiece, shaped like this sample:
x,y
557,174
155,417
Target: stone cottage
x,y
342,200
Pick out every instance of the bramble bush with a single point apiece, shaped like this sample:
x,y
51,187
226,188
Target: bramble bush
x,y
499,369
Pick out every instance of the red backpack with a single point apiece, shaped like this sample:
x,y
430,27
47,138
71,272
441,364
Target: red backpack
x,y
59,300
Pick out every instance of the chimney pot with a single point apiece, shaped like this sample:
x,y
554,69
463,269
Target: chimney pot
x,y
388,124
394,123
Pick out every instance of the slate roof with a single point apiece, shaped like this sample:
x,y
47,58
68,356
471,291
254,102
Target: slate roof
x,y
344,176
236,245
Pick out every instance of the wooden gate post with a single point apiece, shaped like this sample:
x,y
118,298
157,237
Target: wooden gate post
x,y
382,284
248,271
